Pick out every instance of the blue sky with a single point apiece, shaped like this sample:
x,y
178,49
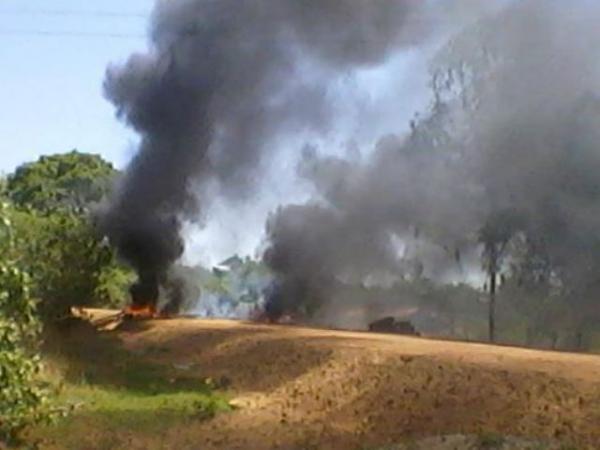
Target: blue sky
x,y
53,57
51,84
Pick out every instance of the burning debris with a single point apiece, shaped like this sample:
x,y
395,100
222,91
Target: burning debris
x,y
393,325
147,311
144,295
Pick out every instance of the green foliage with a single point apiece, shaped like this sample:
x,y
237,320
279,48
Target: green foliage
x,y
112,284
71,181
489,441
124,394
23,398
68,262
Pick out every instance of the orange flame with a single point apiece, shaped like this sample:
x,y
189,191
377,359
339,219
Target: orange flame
x,y
141,311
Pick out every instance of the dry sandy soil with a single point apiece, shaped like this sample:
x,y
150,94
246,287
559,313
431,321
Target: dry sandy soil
x,y
301,388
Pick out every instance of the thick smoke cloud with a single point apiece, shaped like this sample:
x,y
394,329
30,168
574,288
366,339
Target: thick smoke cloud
x,y
513,129
221,82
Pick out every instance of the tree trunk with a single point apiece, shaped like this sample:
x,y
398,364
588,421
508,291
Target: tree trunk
x,y
553,339
579,340
492,306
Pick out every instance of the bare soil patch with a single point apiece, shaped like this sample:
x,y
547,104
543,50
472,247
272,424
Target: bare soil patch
x,y
303,388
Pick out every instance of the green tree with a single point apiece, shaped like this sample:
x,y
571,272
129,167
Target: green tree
x,y
69,265
68,261
72,181
23,397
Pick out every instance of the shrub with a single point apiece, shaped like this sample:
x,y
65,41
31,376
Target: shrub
x,y
23,397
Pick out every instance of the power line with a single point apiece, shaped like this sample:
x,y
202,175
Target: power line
x,y
82,34
80,13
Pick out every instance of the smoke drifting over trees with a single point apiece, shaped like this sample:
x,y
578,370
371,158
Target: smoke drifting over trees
x,y
510,140
221,82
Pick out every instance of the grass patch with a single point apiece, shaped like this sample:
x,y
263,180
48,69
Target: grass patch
x,y
116,397
123,404
490,441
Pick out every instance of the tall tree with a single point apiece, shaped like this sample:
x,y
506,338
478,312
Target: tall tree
x,y
73,181
69,262
494,236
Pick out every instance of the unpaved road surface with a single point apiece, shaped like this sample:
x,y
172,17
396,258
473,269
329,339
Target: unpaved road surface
x,y
301,388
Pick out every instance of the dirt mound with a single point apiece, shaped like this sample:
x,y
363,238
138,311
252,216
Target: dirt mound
x,y
482,442
300,388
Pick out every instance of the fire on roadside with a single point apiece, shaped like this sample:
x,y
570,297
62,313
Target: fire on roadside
x,y
147,311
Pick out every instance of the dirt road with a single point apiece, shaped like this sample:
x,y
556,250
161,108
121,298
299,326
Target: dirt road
x,y
301,388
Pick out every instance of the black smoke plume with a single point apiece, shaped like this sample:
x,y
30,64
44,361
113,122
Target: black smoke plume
x,y
220,82
513,128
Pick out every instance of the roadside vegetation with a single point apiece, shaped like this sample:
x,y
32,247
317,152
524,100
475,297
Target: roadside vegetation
x,y
113,396
52,258
23,392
